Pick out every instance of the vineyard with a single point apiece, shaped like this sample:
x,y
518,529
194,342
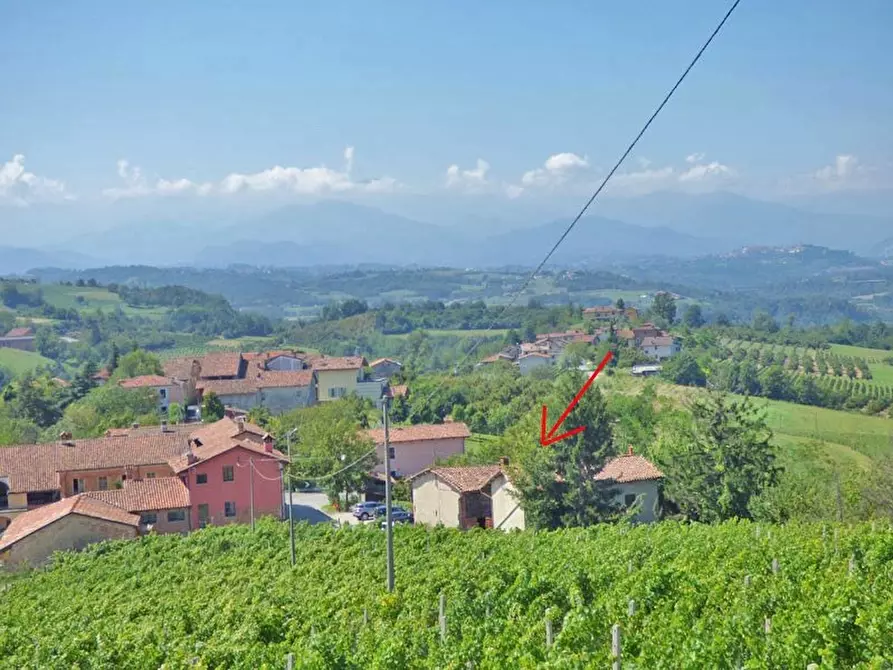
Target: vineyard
x,y
846,382
681,596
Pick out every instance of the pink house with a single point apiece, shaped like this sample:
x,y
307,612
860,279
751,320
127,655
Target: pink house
x,y
231,477
414,448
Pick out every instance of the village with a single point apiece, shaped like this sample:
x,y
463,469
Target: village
x,y
177,478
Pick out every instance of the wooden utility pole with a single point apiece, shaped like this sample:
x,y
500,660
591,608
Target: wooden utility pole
x,y
389,524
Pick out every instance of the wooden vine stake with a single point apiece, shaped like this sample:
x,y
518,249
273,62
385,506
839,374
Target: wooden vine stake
x,y
548,632
615,646
442,618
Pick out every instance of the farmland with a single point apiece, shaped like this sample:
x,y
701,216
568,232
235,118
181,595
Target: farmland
x,y
19,362
704,596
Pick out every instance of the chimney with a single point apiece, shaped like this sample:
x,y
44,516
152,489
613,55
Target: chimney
x,y
164,426
240,421
190,455
629,450
268,443
64,435
135,425
504,461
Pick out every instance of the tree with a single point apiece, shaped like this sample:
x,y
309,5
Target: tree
x,y
774,383
114,356
620,304
693,318
557,483
137,363
108,406
684,369
664,306
717,460
175,413
511,337
212,407
49,344
763,322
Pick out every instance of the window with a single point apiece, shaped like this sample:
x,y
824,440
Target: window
x,y
176,515
392,453
201,478
228,474
337,392
162,393
203,515
229,508
148,518
77,485
629,499
150,475
103,483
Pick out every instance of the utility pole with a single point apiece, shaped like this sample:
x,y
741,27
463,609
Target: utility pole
x,y
389,526
251,488
291,516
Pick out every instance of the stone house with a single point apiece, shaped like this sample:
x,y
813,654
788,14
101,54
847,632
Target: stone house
x,y
455,497
635,480
414,448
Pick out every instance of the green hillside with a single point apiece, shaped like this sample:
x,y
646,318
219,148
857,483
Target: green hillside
x,y
21,361
227,598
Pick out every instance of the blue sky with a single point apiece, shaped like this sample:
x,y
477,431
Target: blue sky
x,y
206,98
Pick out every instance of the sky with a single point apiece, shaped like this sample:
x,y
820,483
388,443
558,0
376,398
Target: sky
x,y
105,101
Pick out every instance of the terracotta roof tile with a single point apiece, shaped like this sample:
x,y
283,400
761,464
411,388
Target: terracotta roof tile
x,y
144,381
179,368
629,468
259,380
338,363
660,341
221,364
29,522
20,332
399,390
420,432
466,479
146,495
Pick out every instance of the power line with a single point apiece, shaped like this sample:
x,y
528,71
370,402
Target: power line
x,y
601,186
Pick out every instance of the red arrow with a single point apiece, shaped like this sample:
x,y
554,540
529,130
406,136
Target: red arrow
x,y
550,438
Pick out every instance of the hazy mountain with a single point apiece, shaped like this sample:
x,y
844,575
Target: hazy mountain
x,y
739,220
15,260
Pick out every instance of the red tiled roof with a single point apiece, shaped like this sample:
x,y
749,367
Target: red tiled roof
x,y
208,451
20,332
221,436
465,479
399,390
602,309
629,468
337,363
275,379
420,432
146,495
30,522
102,374
179,368
260,380
221,364
379,361
144,381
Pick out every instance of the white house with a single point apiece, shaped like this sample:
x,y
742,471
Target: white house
x,y
636,480
660,347
507,512
384,368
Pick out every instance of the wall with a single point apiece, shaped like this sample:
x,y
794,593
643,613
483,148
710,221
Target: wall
x,y
175,394
267,487
386,369
286,398
372,390
504,501
285,363
434,502
328,379
649,491
163,526
244,401
661,352
412,457
90,478
23,343
71,532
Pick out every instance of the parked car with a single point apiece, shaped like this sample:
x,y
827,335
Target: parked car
x,y
365,510
382,510
397,517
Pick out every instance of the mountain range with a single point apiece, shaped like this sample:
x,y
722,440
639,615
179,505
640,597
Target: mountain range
x,y
339,232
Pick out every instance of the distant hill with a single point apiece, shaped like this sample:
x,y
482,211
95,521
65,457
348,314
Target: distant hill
x,y
15,260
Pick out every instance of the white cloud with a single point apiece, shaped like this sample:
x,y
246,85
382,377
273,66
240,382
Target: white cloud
x,y
696,157
705,171
556,170
472,180
844,167
693,175
305,181
22,188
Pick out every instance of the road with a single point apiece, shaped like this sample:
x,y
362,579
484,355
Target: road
x,y
309,507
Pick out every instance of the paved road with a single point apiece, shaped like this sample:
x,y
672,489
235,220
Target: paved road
x,y
309,507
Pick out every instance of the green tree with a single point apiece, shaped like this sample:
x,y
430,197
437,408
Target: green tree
x,y
557,483
175,413
718,459
774,383
693,317
108,406
212,407
114,356
684,369
49,344
136,363
620,304
664,306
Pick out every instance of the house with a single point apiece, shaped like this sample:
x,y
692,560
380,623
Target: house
x,y
101,377
220,464
635,480
527,363
277,391
169,389
507,512
501,357
162,503
233,474
69,524
455,497
19,338
340,376
217,365
660,347
646,330
385,368
414,448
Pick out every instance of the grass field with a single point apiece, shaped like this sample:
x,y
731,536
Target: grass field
x,y
19,362
481,332
66,297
